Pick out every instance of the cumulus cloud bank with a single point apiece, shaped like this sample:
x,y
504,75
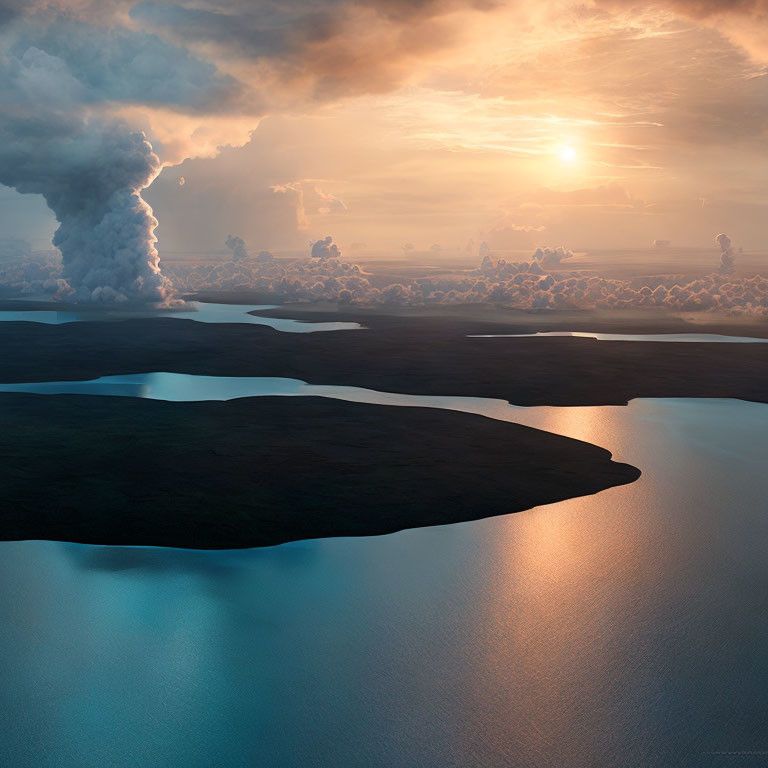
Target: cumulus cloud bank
x,y
544,282
32,274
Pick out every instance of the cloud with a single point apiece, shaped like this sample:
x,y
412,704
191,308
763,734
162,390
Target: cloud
x,y
727,254
91,173
510,237
62,84
637,90
309,201
237,246
9,10
97,64
85,91
543,282
329,203
325,249
23,273
14,248
744,22
551,257
319,49
320,276
295,194
610,195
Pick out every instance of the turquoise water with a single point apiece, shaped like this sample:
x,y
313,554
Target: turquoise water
x,y
184,387
679,337
198,311
623,629
238,313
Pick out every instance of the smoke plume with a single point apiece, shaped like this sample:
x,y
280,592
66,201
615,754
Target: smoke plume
x,y
91,174
63,84
727,255
79,78
237,246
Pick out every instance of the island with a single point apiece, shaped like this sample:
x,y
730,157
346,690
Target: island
x,y
267,470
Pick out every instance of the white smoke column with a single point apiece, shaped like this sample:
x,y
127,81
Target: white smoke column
x,y
237,246
91,174
727,255
63,81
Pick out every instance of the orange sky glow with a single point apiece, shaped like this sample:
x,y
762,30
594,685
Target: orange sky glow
x,y
589,124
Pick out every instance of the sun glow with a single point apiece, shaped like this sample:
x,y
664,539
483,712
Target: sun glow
x,y
567,154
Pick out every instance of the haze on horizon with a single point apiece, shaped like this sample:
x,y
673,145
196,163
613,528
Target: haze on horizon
x,y
591,124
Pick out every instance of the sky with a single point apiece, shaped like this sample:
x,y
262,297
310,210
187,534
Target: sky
x,y
385,122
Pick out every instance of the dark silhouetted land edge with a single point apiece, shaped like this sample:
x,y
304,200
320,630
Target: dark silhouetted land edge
x,y
421,356
261,471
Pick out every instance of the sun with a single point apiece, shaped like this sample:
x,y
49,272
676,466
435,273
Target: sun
x,y
567,154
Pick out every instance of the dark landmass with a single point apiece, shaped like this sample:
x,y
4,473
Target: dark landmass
x,y
127,309
262,471
494,318
456,318
424,355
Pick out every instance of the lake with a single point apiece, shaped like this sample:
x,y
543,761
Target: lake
x,y
206,312
624,629
711,338
201,312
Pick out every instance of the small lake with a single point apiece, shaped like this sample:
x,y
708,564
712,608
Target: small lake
x,y
676,337
184,387
204,312
200,312
628,628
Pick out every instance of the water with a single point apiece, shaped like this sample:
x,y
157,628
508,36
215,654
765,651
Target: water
x,y
199,312
679,337
185,387
238,313
623,629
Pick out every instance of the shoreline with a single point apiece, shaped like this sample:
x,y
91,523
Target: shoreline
x,y
425,357
263,471
472,318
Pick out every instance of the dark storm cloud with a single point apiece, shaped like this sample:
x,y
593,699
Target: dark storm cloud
x,y
9,10
251,33
338,47
95,64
